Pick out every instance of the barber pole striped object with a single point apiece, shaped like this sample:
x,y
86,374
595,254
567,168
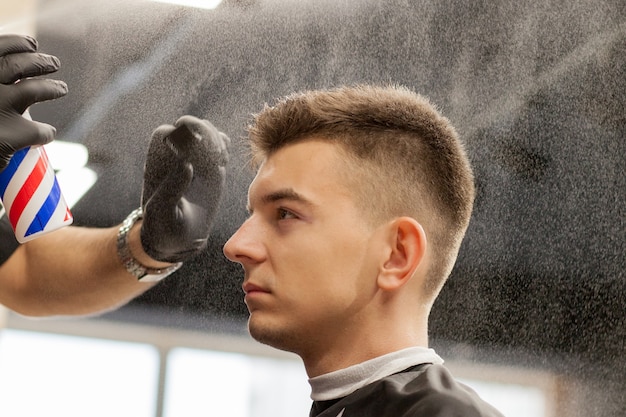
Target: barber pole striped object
x,y
31,195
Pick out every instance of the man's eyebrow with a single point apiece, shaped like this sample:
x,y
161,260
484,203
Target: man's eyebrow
x,y
284,194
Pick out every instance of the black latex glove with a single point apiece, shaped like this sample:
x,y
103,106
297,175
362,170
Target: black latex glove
x,y
18,62
183,181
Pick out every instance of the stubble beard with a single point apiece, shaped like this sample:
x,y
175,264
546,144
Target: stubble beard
x,y
273,336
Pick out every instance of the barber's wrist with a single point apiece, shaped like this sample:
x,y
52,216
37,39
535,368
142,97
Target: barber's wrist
x,y
137,251
133,256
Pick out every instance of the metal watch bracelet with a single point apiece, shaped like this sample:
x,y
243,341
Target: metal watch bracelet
x,y
141,272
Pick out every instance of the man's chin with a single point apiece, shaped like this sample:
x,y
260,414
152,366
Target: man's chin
x,y
259,332
270,335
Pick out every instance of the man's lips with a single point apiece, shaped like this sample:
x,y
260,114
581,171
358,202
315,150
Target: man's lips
x,y
255,296
249,287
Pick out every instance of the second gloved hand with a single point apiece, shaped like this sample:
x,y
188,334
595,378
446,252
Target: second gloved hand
x,y
183,181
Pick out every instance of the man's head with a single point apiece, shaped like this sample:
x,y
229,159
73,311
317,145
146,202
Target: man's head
x,y
402,158
358,190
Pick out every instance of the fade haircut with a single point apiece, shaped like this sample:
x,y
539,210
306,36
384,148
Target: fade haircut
x,y
403,158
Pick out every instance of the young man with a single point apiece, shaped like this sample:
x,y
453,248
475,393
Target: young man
x,y
357,211
78,271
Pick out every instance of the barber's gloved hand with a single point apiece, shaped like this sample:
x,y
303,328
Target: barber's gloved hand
x,y
18,62
183,181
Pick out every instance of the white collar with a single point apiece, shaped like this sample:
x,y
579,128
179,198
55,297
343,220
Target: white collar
x,y
345,381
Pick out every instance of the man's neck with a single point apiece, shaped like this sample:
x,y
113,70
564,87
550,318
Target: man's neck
x,y
342,382
351,352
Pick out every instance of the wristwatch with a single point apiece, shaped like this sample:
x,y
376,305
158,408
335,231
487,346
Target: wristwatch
x,y
141,272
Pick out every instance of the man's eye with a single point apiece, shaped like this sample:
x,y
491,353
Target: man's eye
x,y
284,214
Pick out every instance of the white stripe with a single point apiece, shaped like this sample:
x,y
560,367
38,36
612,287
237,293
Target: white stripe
x,y
22,172
33,206
57,221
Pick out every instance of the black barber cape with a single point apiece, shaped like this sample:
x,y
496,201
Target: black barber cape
x,y
425,390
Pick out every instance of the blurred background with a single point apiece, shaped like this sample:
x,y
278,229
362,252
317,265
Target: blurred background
x,y
534,314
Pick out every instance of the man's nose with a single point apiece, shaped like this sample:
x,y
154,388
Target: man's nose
x,y
243,246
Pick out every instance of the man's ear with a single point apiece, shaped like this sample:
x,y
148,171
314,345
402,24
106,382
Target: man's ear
x,y
407,249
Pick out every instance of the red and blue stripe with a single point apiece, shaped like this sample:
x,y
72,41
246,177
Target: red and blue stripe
x,y
40,190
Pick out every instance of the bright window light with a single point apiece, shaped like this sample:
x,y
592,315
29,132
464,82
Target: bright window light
x,y
69,160
66,376
67,155
201,4
209,383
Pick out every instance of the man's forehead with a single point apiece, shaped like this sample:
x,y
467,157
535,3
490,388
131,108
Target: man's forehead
x,y
271,182
305,171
